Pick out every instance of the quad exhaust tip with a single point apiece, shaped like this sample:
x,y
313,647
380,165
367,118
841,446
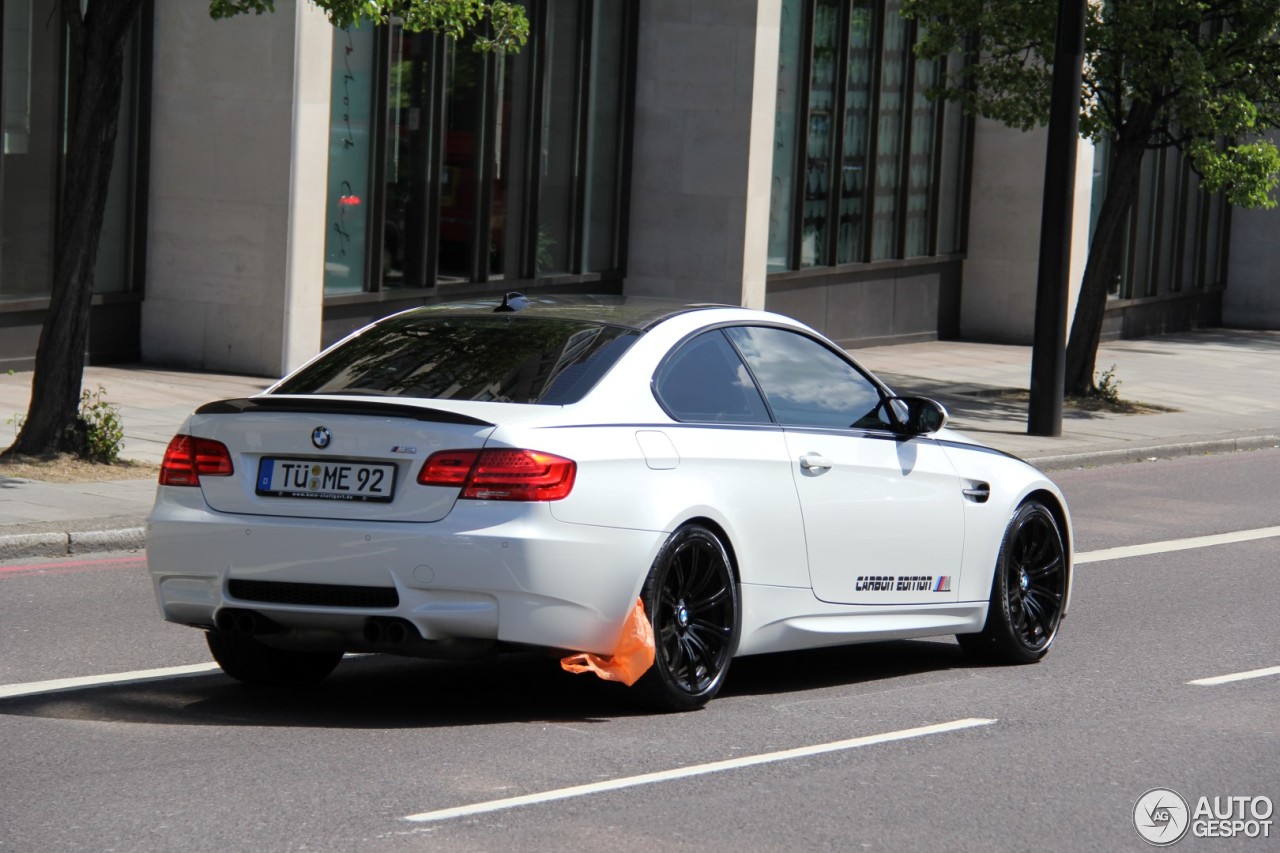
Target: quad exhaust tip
x,y
233,620
377,630
380,630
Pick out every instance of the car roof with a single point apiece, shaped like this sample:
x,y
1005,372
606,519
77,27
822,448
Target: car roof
x,y
633,312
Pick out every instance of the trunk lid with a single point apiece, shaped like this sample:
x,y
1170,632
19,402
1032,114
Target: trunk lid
x,y
334,457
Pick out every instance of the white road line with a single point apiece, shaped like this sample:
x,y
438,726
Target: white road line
x,y
695,770
9,691
1236,676
1175,545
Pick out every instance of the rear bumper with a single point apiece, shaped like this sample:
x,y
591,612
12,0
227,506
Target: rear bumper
x,y
490,571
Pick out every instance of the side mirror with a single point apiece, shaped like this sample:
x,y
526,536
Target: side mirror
x,y
917,415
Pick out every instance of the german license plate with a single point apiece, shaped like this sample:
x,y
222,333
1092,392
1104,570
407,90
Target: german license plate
x,y
334,480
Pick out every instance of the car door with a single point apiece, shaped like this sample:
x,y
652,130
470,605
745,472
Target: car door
x,y
882,513
733,457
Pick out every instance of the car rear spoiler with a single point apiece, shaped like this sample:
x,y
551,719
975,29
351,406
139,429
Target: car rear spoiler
x,y
332,406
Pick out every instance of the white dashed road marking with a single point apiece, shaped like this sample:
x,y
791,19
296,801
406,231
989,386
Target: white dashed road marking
x,y
1236,676
9,691
1175,545
695,770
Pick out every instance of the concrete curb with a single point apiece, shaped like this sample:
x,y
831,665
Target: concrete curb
x,y
94,541
23,545
19,545
1095,458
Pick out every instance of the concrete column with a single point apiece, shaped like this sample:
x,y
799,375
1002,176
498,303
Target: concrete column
x,y
998,294
239,147
703,149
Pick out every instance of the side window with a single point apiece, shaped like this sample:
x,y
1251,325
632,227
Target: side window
x,y
806,383
706,381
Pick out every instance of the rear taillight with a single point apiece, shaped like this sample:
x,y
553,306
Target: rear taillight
x,y
500,474
188,458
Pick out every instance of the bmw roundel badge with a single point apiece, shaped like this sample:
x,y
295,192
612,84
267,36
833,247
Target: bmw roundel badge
x,y
320,437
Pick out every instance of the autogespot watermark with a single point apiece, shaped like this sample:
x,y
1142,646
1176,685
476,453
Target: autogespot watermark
x,y
1162,817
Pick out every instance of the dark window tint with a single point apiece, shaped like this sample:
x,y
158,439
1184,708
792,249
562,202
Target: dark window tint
x,y
807,384
706,381
503,359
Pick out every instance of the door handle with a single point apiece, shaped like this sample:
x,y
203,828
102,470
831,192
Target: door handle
x,y
815,463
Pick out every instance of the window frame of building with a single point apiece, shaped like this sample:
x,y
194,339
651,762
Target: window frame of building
x,y
1177,237
949,152
130,172
525,185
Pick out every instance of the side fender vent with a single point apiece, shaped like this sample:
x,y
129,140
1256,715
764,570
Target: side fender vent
x,y
977,492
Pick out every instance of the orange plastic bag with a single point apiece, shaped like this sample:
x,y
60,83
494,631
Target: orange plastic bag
x,y
630,659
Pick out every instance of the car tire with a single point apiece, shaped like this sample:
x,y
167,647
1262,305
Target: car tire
x,y
248,660
691,598
1027,592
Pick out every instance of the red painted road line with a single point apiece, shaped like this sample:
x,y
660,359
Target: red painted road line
x,y
74,566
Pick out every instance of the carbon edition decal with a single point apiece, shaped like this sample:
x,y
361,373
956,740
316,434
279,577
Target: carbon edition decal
x,y
902,583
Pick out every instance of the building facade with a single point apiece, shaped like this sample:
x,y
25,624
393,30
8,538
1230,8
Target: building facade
x,y
280,183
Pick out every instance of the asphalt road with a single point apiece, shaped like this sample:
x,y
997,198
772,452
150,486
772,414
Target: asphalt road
x,y
1046,757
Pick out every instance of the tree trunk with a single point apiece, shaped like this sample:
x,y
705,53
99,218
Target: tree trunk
x,y
97,43
1106,254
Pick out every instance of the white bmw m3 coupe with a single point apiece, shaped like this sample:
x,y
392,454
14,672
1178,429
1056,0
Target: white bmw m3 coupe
x,y
461,479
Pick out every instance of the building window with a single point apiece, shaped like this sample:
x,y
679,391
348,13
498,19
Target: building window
x,y
481,168
791,68
881,176
1176,233
350,150
38,71
854,166
820,132
32,129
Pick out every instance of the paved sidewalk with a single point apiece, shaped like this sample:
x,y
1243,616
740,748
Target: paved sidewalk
x,y
1223,384
57,519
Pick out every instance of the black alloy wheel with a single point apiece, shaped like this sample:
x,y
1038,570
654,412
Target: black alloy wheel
x,y
691,598
1027,592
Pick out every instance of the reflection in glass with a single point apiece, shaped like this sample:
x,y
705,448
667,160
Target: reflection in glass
x,y
459,178
706,381
951,181
781,188
481,175
499,155
31,150
408,149
349,152
1140,278
604,117
556,152
553,362
920,177
805,383
111,269
857,132
817,172
893,89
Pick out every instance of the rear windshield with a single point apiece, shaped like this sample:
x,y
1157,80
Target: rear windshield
x,y
504,359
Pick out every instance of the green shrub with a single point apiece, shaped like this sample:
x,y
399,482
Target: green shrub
x,y
1108,386
104,430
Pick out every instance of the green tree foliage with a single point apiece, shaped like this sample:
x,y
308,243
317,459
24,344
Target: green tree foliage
x,y
1200,76
96,36
495,24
